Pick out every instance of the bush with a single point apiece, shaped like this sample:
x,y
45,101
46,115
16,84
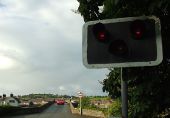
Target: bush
x,y
85,102
115,108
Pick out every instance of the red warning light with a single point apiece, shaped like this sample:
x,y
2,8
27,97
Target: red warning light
x,y
100,32
118,48
138,29
102,36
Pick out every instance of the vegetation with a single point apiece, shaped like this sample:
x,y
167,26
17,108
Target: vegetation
x,y
34,96
88,103
115,108
6,107
149,87
85,102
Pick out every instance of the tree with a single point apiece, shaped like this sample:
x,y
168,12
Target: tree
x,y
149,87
85,102
89,9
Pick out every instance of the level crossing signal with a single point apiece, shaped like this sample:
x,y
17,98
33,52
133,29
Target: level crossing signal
x,y
122,42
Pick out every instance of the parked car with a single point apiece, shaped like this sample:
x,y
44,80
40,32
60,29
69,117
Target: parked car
x,y
74,103
60,101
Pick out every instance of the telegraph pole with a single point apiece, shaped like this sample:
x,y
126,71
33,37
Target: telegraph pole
x,y
80,94
124,94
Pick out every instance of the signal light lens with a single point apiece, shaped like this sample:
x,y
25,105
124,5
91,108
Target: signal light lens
x,y
118,48
100,32
101,36
138,29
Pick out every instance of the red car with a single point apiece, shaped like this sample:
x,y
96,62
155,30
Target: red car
x,y
60,102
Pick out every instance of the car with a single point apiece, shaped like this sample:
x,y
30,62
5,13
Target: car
x,y
74,103
60,101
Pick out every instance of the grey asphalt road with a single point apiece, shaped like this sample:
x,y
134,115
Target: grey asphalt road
x,y
54,111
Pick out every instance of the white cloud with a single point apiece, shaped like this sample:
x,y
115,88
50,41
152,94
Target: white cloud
x,y
44,38
62,88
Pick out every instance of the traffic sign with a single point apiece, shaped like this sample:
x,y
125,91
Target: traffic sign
x,y
80,94
122,42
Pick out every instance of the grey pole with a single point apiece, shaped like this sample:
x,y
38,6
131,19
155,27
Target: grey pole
x,y
124,94
80,107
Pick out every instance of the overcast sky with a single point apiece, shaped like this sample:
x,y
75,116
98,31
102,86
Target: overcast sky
x,y
41,49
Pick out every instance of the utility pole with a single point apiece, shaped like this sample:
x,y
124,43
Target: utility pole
x,y
80,94
124,94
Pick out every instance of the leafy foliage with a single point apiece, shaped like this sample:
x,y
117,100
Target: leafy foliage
x,y
85,102
149,87
113,83
115,108
89,9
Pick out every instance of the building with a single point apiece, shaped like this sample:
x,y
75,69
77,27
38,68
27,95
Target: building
x,y
101,103
11,101
1,101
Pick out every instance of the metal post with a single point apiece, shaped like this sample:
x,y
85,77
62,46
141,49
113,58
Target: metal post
x,y
124,94
80,107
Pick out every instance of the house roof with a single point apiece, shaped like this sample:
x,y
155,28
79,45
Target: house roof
x,y
1,99
13,98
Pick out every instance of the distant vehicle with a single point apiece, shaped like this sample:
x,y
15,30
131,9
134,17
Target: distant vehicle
x,y
74,103
60,101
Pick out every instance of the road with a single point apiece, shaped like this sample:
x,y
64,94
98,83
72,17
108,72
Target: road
x,y
54,111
